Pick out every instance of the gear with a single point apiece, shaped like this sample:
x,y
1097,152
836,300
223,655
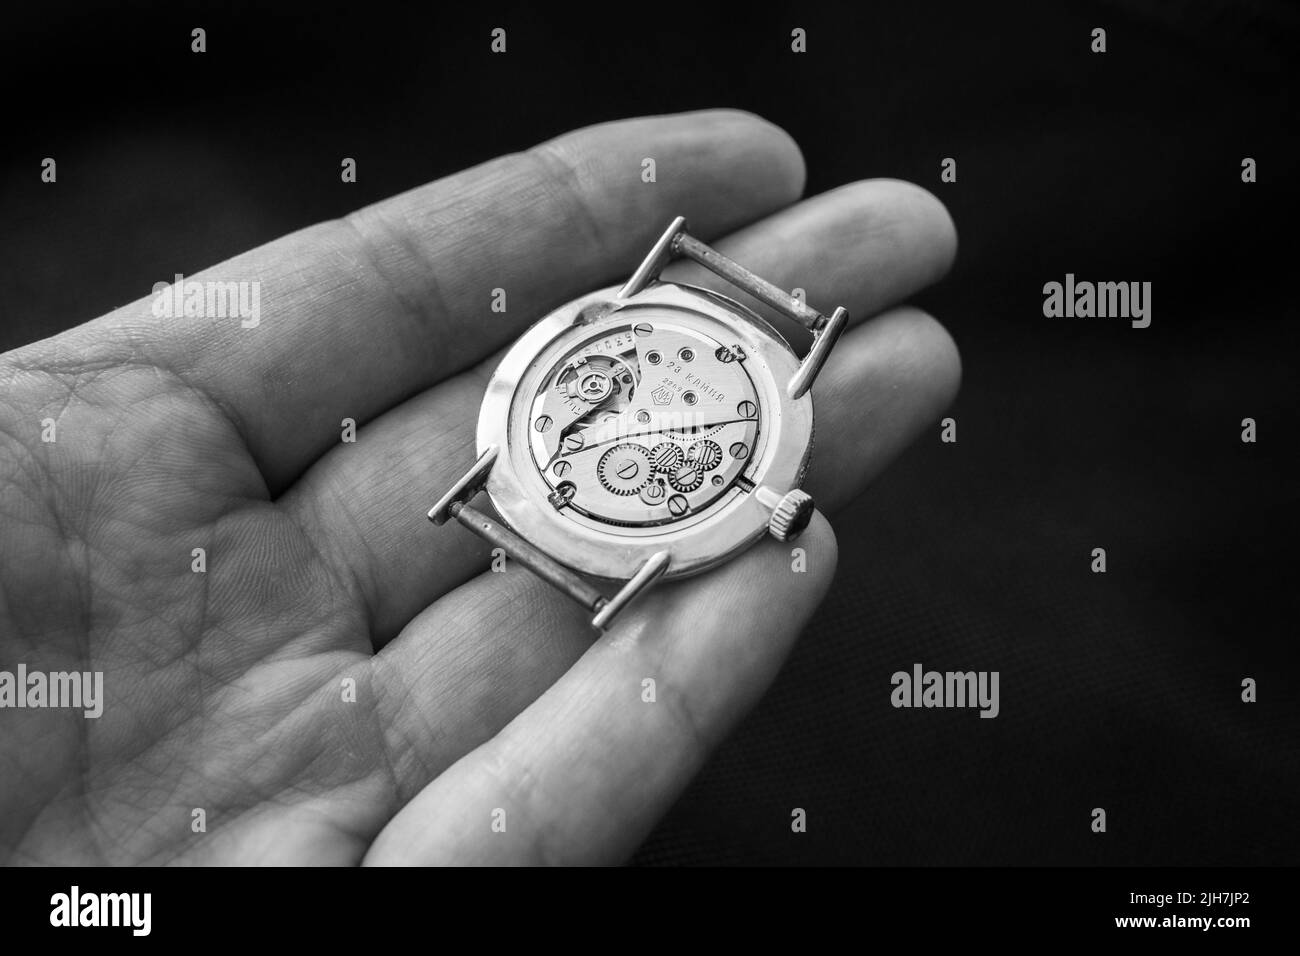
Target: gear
x,y
591,385
624,469
666,456
706,454
654,493
598,380
687,477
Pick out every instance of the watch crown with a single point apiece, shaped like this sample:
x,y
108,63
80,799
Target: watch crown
x,y
791,515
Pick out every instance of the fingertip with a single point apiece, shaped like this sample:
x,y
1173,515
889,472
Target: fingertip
x,y
819,538
923,355
766,146
944,373
940,228
780,148
789,578
807,565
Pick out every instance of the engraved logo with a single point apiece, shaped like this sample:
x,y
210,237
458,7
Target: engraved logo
x,y
662,395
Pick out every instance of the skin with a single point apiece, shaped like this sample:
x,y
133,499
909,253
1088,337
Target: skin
x,y
474,691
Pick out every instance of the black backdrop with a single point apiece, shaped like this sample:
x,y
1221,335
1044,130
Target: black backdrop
x,y
1119,690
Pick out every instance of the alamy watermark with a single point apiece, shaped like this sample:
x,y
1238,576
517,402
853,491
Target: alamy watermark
x,y
75,908
1085,300
79,690
922,688
209,299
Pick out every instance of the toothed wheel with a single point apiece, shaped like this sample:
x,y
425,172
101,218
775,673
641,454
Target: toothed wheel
x,y
687,477
666,456
706,454
624,469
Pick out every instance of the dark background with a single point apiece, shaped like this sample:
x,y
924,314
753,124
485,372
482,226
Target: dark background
x,y
1118,690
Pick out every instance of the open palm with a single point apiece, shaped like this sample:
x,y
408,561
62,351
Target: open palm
x,y
343,682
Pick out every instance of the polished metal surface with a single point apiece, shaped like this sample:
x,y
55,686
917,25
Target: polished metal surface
x,y
762,435
663,387
647,431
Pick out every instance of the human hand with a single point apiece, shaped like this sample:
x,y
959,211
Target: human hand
x,y
226,690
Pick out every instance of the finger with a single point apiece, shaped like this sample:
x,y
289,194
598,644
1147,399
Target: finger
x,y
883,386
583,773
357,314
863,246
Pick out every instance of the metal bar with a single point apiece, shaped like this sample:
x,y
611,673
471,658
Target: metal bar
x,y
806,374
466,488
536,560
647,575
653,263
755,285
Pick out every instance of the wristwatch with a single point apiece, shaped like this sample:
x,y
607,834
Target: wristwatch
x,y
646,432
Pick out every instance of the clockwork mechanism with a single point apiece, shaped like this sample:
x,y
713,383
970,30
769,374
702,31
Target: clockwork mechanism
x,y
644,425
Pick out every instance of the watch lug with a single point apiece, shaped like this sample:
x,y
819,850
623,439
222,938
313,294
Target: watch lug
x,y
653,264
470,484
649,573
823,341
